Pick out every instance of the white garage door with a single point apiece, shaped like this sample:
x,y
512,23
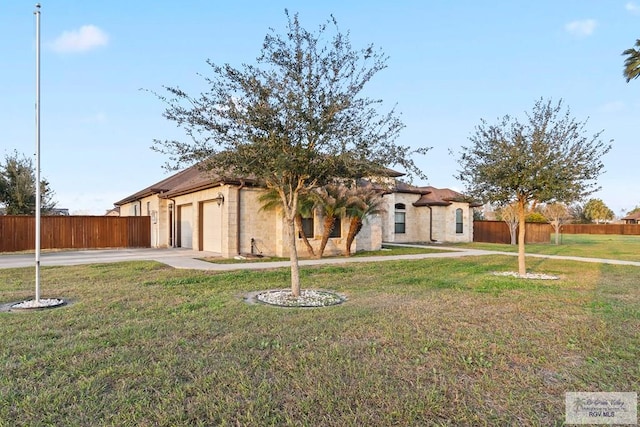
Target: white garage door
x,y
211,227
185,226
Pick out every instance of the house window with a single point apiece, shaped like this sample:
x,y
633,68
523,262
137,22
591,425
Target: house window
x,y
459,223
400,218
307,227
148,208
135,210
337,228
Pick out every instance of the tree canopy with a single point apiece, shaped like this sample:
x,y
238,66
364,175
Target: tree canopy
x,y
547,157
595,210
18,187
634,210
295,121
632,62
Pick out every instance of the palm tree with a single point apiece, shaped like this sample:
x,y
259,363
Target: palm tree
x,y
632,62
306,206
363,203
271,201
332,201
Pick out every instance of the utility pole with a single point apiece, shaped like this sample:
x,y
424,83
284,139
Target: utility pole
x,y
38,189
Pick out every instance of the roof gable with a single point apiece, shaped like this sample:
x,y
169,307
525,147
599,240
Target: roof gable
x,y
188,180
433,196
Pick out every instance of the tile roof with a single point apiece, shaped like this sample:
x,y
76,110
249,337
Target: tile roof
x,y
429,196
635,215
438,197
186,181
194,179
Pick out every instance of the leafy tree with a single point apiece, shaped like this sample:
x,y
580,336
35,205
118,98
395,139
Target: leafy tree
x,y
545,158
363,202
18,187
478,214
596,211
634,210
295,120
632,62
557,214
536,217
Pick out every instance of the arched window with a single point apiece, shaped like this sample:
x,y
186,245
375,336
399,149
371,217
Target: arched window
x,y
459,223
400,218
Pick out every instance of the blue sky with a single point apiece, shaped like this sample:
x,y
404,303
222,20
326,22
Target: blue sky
x,y
450,65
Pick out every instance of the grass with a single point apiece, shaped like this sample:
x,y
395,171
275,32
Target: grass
x,y
431,342
385,251
582,245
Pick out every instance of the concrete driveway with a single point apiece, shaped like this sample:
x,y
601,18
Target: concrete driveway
x,y
188,259
98,256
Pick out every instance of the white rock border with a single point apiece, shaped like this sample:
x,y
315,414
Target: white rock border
x,y
535,276
308,298
43,303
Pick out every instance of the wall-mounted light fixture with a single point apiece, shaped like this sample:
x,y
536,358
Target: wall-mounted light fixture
x,y
219,199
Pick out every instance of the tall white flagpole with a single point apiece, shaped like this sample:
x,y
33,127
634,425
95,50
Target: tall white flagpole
x,y
38,196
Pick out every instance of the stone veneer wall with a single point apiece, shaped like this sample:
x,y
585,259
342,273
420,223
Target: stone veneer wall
x,y
267,228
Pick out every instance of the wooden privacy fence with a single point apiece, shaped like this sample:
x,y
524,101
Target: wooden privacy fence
x,y
17,233
498,232
600,229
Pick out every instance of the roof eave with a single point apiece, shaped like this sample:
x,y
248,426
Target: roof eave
x,y
434,203
136,197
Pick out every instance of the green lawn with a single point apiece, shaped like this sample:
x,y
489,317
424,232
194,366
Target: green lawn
x,y
582,245
431,342
385,251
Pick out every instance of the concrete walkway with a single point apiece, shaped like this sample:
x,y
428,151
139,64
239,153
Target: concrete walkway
x,y
562,257
188,259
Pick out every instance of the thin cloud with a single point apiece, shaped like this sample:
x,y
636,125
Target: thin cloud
x,y
582,28
84,39
632,7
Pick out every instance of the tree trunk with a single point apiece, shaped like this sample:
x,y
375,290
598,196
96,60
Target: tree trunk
x,y
355,225
513,232
329,222
293,255
304,238
522,270
556,228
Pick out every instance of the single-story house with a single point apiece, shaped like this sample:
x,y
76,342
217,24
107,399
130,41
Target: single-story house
x,y
194,209
633,218
113,211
